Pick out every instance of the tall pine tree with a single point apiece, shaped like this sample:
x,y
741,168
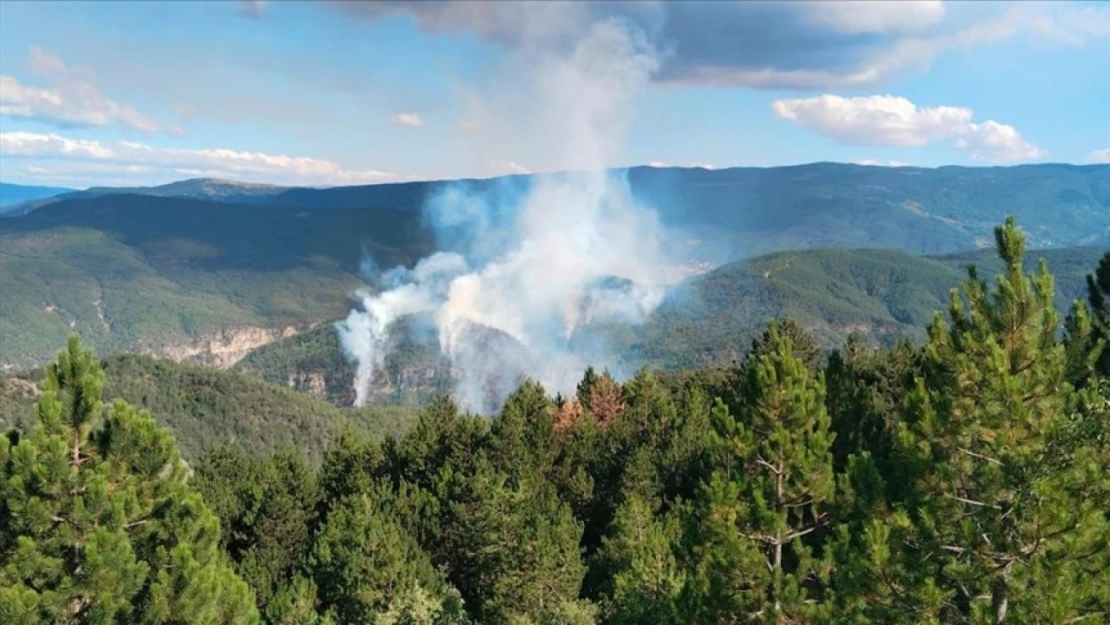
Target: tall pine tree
x,y
775,488
100,525
1098,296
995,508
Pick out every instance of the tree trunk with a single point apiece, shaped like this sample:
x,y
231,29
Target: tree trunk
x,y
778,547
1000,599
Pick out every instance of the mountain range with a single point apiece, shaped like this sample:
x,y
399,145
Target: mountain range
x,y
12,196
209,270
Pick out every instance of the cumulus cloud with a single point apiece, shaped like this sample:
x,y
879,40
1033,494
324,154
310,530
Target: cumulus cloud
x,y
506,167
60,156
873,120
252,8
765,45
1099,156
857,16
997,143
72,101
875,163
412,120
886,120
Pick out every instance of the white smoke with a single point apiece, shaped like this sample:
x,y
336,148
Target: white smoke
x,y
538,279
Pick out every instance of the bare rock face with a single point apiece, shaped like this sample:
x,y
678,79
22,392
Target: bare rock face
x,y
311,382
226,348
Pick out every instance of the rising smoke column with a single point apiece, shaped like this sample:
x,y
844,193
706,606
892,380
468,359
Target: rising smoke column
x,y
567,232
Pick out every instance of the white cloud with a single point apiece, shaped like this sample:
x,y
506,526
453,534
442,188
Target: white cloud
x,y
886,120
657,164
45,64
873,120
252,8
59,155
412,120
873,162
997,143
857,17
703,165
1099,156
73,101
469,126
506,167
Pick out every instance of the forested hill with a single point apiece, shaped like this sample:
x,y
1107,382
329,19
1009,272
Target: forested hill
x,y
179,271
204,407
884,296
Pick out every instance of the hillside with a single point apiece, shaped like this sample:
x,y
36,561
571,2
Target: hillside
x,y
709,319
881,294
182,277
204,406
13,194
206,280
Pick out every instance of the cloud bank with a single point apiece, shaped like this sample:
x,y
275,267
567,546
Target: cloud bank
x,y
764,45
76,159
534,264
886,120
72,101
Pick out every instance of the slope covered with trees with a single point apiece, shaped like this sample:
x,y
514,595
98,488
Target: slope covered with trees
x,y
168,270
962,481
882,295
203,406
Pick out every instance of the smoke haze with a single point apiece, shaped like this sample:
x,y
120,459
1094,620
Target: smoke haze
x,y
532,259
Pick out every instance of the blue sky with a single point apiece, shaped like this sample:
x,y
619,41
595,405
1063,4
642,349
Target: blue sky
x,y
347,93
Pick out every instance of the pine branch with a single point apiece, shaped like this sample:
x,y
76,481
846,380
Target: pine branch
x,y
972,502
979,456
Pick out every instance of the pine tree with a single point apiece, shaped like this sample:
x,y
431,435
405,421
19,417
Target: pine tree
x,y
101,524
639,555
365,565
1098,296
775,487
267,510
994,506
513,546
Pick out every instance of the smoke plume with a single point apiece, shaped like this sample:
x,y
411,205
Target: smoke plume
x,y
534,260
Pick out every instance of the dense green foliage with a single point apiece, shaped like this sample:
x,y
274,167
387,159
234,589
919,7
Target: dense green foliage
x,y
963,481
157,268
204,406
97,521
960,481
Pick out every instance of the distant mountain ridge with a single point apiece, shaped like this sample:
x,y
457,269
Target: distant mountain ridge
x,y
14,194
210,189
924,210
